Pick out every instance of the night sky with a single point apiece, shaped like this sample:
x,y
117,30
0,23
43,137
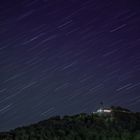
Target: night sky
x,y
63,57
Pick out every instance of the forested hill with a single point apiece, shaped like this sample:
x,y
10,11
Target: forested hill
x,y
119,125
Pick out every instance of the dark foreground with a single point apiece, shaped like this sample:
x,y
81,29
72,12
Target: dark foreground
x,y
119,125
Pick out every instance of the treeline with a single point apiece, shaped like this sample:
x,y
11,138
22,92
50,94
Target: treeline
x,y
121,124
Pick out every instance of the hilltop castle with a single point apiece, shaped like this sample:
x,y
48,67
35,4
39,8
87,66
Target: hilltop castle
x,y
103,110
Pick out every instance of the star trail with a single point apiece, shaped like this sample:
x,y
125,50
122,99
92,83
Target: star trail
x,y
63,57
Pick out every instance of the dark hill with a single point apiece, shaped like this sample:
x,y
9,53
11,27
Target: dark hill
x,y
121,124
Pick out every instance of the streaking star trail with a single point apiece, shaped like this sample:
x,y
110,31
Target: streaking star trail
x,y
61,57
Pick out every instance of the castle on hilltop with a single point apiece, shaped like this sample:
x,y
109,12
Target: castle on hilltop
x,y
103,110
